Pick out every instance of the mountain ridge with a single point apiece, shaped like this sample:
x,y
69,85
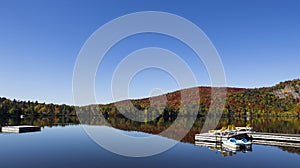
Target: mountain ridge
x,y
280,99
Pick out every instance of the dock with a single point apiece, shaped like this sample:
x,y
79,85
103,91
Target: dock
x,y
212,145
260,138
277,143
208,137
20,129
275,137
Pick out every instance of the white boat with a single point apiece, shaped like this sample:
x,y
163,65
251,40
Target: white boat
x,y
232,143
246,143
237,144
231,129
244,129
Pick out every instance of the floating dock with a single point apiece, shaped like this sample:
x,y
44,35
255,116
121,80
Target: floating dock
x,y
213,145
209,137
20,129
261,138
277,143
275,137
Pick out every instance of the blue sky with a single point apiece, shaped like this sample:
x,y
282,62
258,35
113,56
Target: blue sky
x,y
258,42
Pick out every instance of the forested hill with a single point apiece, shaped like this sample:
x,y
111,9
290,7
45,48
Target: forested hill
x,y
279,100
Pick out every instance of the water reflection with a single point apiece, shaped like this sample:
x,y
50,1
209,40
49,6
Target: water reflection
x,y
224,151
274,125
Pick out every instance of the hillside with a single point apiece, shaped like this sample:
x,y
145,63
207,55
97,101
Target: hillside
x,y
279,100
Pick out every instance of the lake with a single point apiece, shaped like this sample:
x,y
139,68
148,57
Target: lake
x,y
62,142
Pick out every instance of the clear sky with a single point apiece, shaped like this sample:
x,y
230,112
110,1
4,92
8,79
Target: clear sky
x,y
257,40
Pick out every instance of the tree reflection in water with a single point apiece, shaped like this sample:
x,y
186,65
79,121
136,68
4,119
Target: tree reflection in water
x,y
274,125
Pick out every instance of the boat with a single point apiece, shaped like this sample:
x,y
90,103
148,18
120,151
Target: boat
x,y
232,143
245,142
244,129
237,144
231,130
247,128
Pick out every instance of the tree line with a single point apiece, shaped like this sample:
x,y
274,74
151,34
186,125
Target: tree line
x,y
238,102
28,108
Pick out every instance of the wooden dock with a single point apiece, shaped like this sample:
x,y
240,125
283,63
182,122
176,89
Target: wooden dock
x,y
208,137
213,145
277,143
275,137
261,138
20,129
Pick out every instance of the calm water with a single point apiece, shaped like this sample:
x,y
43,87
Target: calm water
x,y
70,146
63,142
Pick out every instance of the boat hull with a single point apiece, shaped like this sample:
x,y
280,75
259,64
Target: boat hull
x,y
231,145
237,144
